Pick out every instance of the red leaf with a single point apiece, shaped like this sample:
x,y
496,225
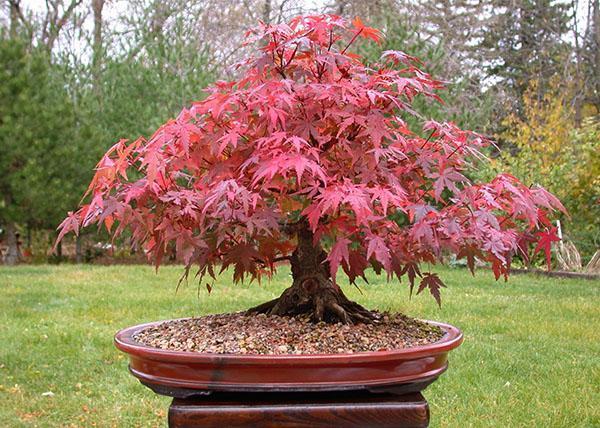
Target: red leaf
x,y
338,254
108,222
356,266
367,32
378,248
500,268
470,253
434,283
523,243
545,241
412,271
69,224
313,214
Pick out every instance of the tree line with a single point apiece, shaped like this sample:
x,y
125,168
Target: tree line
x,y
78,75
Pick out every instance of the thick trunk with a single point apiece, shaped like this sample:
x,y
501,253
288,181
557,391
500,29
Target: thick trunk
x,y
13,253
313,291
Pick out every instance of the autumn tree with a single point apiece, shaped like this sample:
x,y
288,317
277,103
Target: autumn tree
x,y
546,149
308,158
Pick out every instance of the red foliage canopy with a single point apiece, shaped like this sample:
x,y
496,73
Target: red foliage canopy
x,y
310,131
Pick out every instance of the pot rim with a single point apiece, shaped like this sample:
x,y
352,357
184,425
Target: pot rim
x,y
124,341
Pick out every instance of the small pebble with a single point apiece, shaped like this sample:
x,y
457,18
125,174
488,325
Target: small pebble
x,y
239,333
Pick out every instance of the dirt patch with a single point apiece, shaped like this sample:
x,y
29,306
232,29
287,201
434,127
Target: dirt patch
x,y
239,333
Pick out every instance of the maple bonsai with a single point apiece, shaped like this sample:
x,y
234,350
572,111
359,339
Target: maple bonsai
x,y
308,157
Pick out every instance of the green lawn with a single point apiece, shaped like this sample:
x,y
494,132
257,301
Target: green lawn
x,y
531,355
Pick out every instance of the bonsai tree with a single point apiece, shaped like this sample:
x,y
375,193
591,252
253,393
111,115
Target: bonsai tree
x,y
308,157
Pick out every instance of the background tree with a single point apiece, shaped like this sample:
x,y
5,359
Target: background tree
x,y
35,117
78,121
587,56
409,29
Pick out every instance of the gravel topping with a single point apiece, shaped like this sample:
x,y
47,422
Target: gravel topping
x,y
238,333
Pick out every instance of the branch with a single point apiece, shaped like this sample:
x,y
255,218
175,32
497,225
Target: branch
x,y
292,228
351,41
15,5
428,138
56,25
275,260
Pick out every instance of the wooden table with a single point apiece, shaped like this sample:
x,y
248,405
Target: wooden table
x,y
314,409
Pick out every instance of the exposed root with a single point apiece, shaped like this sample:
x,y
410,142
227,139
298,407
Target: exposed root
x,y
320,298
263,308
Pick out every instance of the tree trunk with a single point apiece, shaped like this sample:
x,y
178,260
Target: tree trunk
x,y
28,238
313,291
595,48
14,17
267,12
78,249
58,252
97,47
13,254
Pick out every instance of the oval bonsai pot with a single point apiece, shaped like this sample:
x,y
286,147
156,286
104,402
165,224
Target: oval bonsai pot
x,y
185,374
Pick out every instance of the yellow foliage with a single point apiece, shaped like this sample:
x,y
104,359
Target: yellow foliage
x,y
543,146
539,139
586,152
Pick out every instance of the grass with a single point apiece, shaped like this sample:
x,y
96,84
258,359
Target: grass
x,y
531,355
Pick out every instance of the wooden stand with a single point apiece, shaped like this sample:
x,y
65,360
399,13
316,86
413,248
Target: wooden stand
x,y
314,409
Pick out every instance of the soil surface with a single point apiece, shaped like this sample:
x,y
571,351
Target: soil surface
x,y
239,333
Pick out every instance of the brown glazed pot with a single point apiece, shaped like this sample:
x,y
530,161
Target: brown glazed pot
x,y
185,374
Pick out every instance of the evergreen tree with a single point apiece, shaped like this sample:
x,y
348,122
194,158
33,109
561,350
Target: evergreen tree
x,y
36,123
524,41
